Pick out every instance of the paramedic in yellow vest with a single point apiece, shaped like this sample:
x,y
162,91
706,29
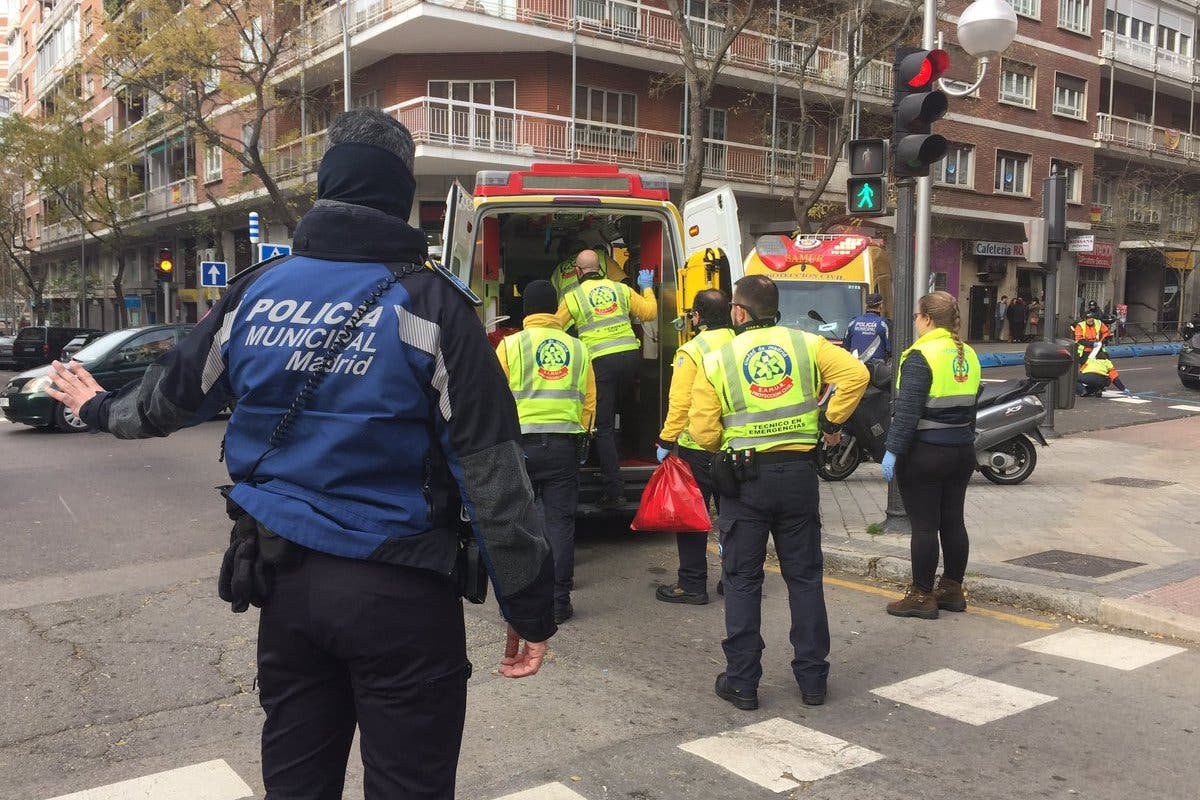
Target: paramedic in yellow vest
x,y
759,393
555,389
931,453
1096,374
709,316
565,278
602,312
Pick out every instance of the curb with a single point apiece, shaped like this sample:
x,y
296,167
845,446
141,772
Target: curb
x,y
1016,359
1083,606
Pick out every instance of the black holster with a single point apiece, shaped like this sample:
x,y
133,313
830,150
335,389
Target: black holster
x,y
249,564
469,569
724,475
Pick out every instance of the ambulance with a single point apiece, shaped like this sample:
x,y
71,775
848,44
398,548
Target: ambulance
x,y
823,279
523,225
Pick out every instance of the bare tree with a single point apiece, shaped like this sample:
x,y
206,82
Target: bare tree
x,y
14,244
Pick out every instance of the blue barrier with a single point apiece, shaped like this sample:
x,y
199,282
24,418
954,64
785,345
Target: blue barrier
x,y
987,360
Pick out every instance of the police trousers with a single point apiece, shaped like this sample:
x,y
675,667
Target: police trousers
x,y
551,461
343,642
693,547
782,501
614,377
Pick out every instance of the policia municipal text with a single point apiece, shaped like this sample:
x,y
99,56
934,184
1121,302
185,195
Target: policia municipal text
x,y
352,491
755,400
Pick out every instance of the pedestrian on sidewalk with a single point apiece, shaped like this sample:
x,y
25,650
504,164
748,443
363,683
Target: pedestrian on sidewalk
x,y
1001,316
709,315
1017,318
931,452
360,478
1036,308
756,402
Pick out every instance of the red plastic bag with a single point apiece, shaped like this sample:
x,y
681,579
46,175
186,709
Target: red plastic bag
x,y
672,502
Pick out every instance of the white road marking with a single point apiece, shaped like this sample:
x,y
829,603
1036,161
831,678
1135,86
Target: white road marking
x,y
68,508
966,698
780,755
212,780
992,380
1106,649
1193,409
1120,398
549,791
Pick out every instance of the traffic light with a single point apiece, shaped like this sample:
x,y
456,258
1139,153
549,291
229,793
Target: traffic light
x,y
165,265
866,188
916,105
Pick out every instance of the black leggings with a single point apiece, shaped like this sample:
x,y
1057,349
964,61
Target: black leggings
x,y
933,484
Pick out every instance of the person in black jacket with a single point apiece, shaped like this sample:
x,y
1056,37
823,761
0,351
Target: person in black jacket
x,y
353,491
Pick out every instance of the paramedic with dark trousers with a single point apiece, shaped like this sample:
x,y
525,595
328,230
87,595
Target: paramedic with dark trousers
x,y
384,464
867,335
1097,374
555,389
931,452
602,312
709,316
758,398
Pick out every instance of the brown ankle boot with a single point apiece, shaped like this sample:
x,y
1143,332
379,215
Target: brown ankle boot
x,y
949,595
915,603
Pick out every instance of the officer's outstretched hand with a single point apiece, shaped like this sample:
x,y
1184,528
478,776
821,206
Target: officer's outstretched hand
x,y
521,661
73,385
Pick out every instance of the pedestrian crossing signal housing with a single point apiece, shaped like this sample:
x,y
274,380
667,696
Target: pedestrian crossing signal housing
x,y
866,196
916,104
165,265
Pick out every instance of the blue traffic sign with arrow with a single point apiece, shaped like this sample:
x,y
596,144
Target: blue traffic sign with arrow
x,y
267,250
214,274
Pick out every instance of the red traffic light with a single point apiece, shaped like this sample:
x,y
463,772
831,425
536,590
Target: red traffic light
x,y
919,70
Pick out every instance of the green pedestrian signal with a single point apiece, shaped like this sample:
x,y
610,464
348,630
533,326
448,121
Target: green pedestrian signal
x,y
865,196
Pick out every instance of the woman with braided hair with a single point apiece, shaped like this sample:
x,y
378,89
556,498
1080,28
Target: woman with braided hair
x,y
931,452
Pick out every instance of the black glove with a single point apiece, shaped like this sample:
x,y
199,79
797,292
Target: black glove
x,y
245,578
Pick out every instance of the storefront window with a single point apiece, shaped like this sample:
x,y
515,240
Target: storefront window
x,y
1094,285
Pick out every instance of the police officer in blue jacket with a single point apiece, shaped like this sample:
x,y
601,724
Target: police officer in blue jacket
x,y
411,431
867,334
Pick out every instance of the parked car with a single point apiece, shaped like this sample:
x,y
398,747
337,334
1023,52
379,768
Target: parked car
x,y
1189,363
6,352
42,344
114,359
78,343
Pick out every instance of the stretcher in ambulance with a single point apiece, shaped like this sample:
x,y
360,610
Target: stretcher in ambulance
x,y
525,225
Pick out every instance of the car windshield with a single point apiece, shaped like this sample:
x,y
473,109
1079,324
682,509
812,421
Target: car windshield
x,y
37,334
103,346
836,303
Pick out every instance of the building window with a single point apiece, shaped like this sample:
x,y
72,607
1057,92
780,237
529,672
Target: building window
x,y
109,125
212,79
1018,84
957,168
213,166
1074,178
1012,173
451,120
87,24
252,43
1131,27
1070,96
1075,15
796,137
1027,8
367,100
89,87
605,108
1174,41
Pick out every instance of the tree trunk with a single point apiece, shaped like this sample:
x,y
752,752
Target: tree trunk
x,y
693,170
39,311
120,312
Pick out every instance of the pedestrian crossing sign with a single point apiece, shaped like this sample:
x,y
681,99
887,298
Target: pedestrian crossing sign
x,y
267,250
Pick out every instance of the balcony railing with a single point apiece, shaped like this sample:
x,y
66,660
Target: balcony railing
x,y
45,79
1155,139
1147,214
173,195
57,231
1146,56
623,21
526,134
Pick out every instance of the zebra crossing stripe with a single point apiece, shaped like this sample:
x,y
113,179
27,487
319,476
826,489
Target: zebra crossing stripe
x,y
966,698
1193,409
1106,649
547,791
212,780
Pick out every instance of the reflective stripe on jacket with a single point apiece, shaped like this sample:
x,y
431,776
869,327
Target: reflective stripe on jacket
x,y
600,311
547,372
694,350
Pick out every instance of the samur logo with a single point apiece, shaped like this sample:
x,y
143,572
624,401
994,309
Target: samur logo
x,y
962,370
553,358
768,371
603,301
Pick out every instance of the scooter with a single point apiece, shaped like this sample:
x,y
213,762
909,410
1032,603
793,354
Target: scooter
x,y
864,434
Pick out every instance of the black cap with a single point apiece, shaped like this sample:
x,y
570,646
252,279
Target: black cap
x,y
874,299
540,298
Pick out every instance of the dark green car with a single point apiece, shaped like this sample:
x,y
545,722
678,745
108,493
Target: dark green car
x,y
114,359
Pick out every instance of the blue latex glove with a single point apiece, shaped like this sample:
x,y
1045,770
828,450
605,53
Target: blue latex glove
x,y
662,453
889,466
645,279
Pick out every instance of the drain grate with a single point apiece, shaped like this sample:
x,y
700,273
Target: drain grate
x,y
1074,563
1137,483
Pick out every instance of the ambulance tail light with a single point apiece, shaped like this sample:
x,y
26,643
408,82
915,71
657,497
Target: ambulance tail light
x,y
492,177
655,182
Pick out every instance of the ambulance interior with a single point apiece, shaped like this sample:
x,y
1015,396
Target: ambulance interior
x,y
515,247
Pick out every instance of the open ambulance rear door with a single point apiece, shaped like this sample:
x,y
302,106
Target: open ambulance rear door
x,y
458,232
711,220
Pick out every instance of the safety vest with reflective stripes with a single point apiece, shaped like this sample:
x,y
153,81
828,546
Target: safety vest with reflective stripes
x,y
955,386
565,278
1089,333
600,310
697,348
547,372
767,381
1098,366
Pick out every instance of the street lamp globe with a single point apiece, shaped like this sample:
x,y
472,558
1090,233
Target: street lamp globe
x,y
987,28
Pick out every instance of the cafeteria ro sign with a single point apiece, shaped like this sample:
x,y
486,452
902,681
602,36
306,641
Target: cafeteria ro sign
x,y
1000,249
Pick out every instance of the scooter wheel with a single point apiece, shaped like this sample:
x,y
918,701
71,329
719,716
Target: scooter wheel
x,y
839,462
1025,454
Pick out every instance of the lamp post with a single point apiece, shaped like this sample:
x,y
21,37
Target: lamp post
x,y
346,10
985,30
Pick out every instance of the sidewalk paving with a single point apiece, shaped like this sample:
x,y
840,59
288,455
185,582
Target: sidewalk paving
x,y
1121,508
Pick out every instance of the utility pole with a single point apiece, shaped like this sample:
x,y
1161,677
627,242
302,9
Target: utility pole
x,y
1054,211
924,185
346,11
903,302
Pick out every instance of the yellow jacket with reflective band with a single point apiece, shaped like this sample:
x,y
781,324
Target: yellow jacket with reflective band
x,y
955,386
768,384
550,376
688,359
1099,366
564,278
601,311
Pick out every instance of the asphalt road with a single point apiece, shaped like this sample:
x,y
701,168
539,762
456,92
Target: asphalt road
x,y
117,661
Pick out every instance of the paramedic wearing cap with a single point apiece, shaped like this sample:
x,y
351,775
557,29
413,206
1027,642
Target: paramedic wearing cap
x,y
555,388
362,624
867,334
602,312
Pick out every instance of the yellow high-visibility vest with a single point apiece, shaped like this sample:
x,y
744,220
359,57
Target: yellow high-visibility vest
x,y
697,348
955,386
547,372
600,310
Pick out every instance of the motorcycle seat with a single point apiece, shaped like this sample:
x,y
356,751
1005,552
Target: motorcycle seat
x,y
995,393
